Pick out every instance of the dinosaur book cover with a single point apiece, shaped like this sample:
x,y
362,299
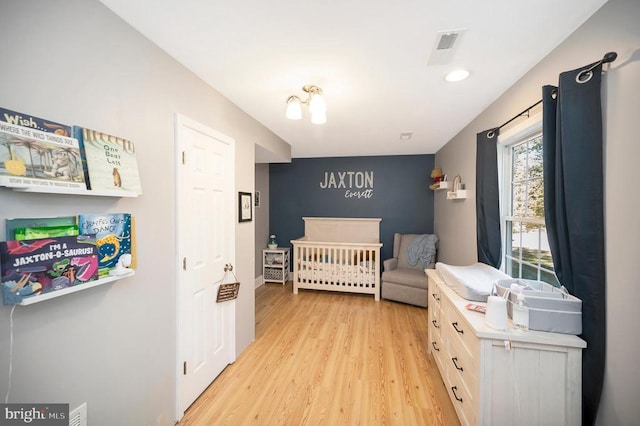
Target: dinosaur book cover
x,y
111,163
32,158
113,237
33,267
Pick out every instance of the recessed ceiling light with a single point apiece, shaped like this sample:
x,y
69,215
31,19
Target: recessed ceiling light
x,y
405,136
456,75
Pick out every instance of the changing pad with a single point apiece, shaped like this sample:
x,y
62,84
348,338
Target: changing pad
x,y
473,282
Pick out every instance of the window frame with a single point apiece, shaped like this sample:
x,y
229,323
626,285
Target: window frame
x,y
526,130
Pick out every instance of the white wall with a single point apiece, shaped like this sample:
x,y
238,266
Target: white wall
x,y
75,62
615,27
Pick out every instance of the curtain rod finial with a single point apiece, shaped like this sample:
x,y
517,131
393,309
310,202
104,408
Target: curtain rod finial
x,y
609,57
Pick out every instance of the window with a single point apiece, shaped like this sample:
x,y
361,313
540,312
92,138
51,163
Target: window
x,y
526,247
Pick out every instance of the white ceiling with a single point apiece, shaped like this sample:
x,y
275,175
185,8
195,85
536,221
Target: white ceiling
x,y
372,58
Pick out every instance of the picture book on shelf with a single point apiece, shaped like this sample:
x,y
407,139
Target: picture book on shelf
x,y
31,158
111,163
26,120
19,225
113,233
33,267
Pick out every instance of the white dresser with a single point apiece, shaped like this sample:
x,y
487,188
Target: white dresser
x,y
502,378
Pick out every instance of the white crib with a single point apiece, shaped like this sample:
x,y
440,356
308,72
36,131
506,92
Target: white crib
x,y
338,254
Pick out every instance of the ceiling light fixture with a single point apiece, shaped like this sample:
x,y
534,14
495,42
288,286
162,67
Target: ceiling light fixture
x,y
456,75
316,102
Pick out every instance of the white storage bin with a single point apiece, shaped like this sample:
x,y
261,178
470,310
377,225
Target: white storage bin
x,y
550,308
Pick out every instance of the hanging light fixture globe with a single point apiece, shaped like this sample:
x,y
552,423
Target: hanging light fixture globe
x,y
317,105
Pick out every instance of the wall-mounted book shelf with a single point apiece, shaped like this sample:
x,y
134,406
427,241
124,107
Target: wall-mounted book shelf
x,y
54,190
48,157
76,288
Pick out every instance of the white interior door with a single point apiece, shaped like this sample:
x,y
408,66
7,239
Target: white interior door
x,y
205,244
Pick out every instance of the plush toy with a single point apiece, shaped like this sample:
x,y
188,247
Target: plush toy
x,y
436,175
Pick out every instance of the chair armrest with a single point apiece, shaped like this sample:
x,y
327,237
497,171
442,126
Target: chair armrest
x,y
390,264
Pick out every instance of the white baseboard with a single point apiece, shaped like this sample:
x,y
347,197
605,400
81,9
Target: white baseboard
x,y
260,282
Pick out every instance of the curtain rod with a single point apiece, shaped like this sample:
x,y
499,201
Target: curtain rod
x,y
526,111
607,58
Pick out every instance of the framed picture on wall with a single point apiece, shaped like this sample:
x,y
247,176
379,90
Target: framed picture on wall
x,y
244,207
257,199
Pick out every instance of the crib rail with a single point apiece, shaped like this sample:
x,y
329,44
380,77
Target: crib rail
x,y
346,267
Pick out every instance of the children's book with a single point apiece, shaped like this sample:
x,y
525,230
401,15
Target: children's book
x,y
32,233
31,158
26,120
21,223
17,228
111,163
113,236
33,267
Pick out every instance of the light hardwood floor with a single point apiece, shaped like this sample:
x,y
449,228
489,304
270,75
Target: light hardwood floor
x,y
324,358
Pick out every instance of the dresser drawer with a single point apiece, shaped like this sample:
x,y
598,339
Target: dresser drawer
x,y
434,319
439,351
434,294
467,365
461,398
435,337
456,327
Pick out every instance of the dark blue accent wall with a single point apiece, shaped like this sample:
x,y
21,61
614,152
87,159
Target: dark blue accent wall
x,y
400,194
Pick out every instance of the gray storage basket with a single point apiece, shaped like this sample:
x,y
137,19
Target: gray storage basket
x,y
550,308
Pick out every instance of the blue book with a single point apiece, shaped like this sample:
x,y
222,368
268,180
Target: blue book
x,y
113,233
27,120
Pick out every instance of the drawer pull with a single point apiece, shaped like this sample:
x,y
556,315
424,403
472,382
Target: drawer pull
x,y
435,347
455,362
435,296
454,388
435,324
455,325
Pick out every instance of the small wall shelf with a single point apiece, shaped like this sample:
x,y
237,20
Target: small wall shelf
x,y
440,185
76,288
460,194
54,190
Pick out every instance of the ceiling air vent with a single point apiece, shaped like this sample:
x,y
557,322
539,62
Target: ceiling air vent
x,y
445,46
446,41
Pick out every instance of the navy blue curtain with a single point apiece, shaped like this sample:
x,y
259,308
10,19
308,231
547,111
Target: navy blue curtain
x,y
574,211
488,199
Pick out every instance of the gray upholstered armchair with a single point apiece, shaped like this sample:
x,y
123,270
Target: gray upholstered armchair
x,y
402,281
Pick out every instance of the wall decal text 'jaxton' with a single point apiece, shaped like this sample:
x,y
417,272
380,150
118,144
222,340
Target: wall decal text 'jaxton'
x,y
362,182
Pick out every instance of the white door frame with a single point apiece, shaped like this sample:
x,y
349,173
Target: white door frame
x,y
184,121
